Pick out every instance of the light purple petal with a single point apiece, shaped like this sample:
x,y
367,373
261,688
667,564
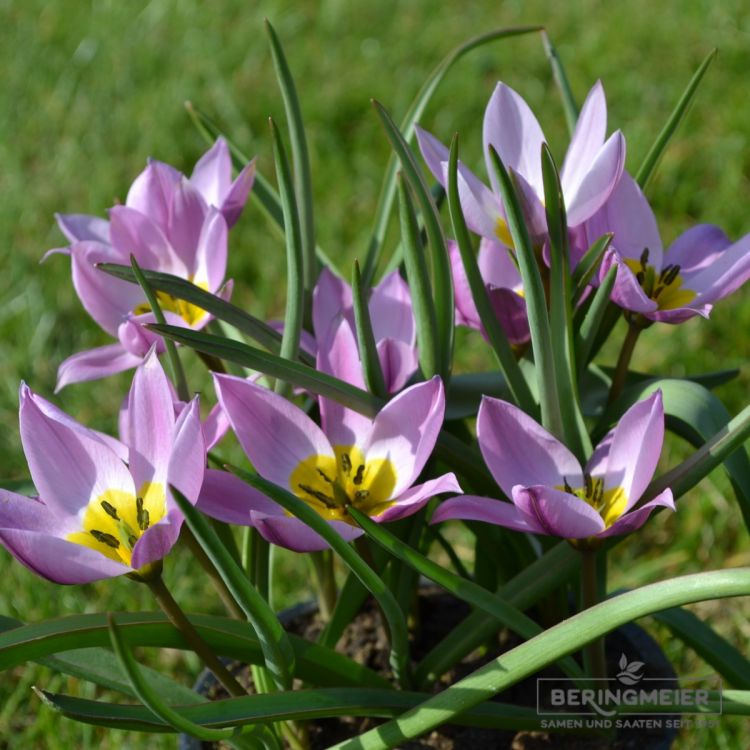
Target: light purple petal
x,y
487,509
398,361
138,340
391,310
32,514
307,341
497,266
517,450
466,310
480,207
274,433
187,460
212,173
332,299
627,291
215,426
106,299
234,201
598,183
727,273
338,356
418,496
81,227
155,543
557,513
68,466
291,533
697,249
588,138
151,422
94,364
151,192
636,447
510,310
226,497
405,431
186,217
211,252
634,519
511,127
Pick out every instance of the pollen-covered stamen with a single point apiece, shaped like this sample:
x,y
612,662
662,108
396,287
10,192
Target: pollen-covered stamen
x,y
110,510
141,514
104,538
346,463
318,495
360,474
610,504
665,288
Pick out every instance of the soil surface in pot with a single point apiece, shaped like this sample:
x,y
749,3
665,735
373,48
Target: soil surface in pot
x,y
364,640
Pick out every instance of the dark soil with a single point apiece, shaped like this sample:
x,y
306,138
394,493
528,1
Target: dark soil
x,y
364,641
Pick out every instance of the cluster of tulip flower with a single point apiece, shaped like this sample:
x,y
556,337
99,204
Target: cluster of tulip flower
x,y
346,413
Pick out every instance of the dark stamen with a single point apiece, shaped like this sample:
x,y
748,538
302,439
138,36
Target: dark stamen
x,y
360,495
105,538
346,463
318,495
142,515
110,510
360,474
324,475
132,540
671,275
644,258
567,487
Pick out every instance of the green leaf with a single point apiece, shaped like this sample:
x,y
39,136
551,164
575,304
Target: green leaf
x,y
418,275
494,604
565,637
730,663
585,268
560,312
443,280
368,352
300,158
389,606
561,81
536,306
149,696
183,289
465,392
413,115
277,650
516,383
590,324
652,157
314,663
295,288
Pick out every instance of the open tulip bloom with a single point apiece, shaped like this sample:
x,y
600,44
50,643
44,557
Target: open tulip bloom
x,y
551,493
591,170
169,223
699,268
370,465
104,507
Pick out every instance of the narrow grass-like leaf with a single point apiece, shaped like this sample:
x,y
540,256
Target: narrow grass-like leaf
x,y
441,268
418,275
394,617
300,157
590,323
646,170
178,374
314,663
536,307
498,340
183,289
150,697
531,656
465,392
561,81
277,650
295,288
588,264
504,612
415,111
560,312
698,635
368,352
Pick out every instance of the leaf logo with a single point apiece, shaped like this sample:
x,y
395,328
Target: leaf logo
x,y
629,673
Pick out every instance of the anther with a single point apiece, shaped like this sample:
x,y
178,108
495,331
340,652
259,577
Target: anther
x,y
567,487
318,495
346,463
142,515
325,476
360,495
110,510
105,538
644,258
360,474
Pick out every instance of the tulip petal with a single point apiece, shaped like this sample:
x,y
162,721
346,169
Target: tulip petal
x,y
291,533
226,497
151,192
510,310
517,450
417,497
234,201
466,310
391,310
697,249
187,459
497,266
398,362
94,364
186,218
69,467
274,433
557,513
82,227
588,138
487,509
634,519
635,449
406,429
729,270
156,542
598,183
332,299
511,127
212,173
215,426
627,291
210,262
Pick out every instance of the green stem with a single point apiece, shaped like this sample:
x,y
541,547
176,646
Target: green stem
x,y
177,617
623,361
325,582
593,652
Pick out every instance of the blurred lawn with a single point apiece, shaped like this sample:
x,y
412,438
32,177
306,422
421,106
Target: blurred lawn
x,y
91,89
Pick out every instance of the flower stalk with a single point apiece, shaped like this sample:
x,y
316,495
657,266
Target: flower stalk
x,y
623,361
593,653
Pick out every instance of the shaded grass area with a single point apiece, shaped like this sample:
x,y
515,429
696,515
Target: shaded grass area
x,y
90,90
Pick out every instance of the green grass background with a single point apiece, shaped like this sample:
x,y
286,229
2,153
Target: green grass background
x,y
89,90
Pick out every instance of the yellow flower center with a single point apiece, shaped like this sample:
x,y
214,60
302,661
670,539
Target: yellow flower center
x,y
190,313
503,233
331,485
609,504
665,288
116,520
